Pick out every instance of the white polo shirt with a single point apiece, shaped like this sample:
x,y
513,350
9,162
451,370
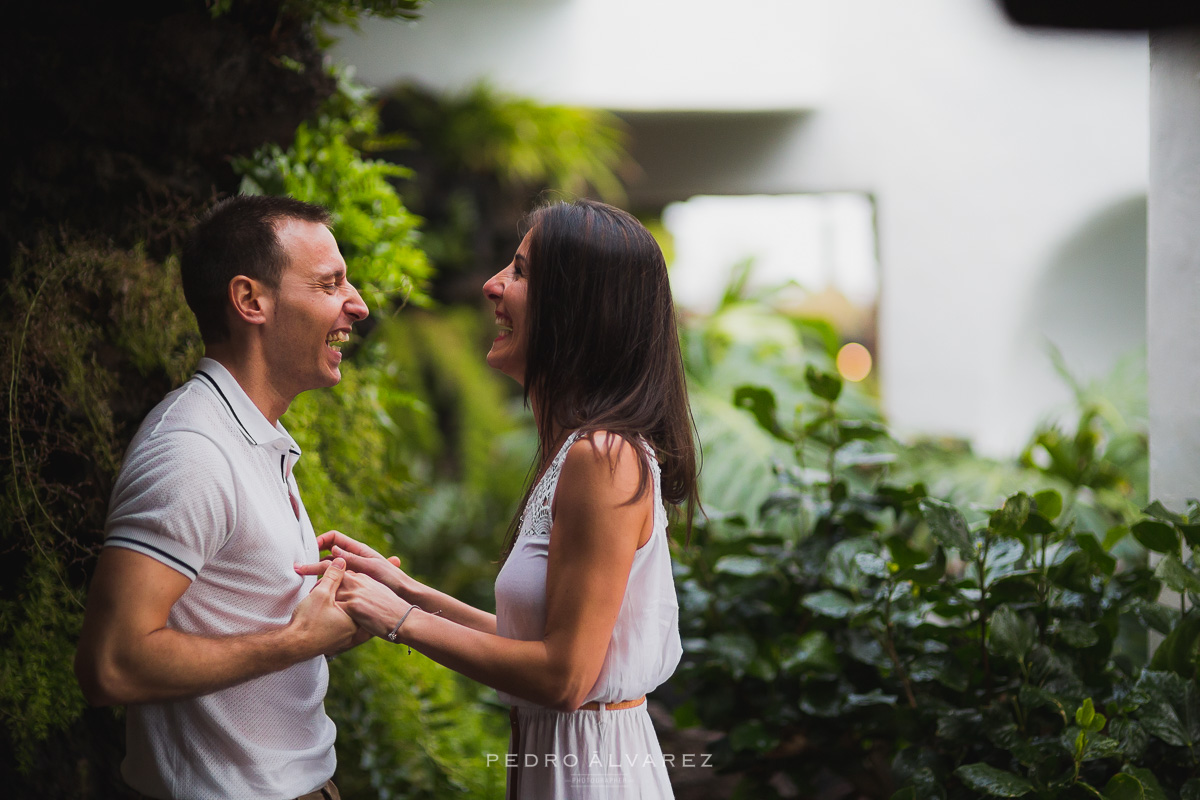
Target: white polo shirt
x,y
206,489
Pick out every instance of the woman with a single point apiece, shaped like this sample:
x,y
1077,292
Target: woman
x,y
586,615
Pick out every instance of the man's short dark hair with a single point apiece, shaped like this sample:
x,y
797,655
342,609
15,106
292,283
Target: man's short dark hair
x,y
237,237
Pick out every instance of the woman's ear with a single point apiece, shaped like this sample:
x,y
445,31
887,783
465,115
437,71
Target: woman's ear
x,y
251,300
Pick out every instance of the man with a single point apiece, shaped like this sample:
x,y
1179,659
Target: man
x,y
196,619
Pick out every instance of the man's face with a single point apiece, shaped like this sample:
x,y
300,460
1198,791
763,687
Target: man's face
x,y
312,312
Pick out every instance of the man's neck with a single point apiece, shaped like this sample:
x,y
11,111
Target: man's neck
x,y
254,377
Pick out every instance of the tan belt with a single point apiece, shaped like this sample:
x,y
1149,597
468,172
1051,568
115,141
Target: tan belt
x,y
595,706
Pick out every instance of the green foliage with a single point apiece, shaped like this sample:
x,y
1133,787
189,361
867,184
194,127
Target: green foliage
x,y
333,12
475,450
761,358
913,647
519,141
325,165
403,731
481,159
74,383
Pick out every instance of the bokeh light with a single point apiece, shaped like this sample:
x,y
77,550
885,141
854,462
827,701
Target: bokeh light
x,y
854,362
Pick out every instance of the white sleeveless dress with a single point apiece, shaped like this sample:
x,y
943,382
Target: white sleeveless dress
x,y
589,755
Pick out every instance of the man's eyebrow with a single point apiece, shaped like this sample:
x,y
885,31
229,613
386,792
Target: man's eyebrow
x,y
332,273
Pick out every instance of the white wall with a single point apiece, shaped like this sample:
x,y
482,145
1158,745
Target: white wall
x,y
991,152
1174,287
618,54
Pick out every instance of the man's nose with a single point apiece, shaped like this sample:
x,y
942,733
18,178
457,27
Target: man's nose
x,y
356,307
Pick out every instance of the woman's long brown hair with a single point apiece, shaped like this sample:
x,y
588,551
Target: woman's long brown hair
x,y
603,346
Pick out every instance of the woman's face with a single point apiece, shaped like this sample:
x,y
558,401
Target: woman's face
x,y
507,289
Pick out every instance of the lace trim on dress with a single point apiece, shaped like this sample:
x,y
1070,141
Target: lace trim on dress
x,y
537,519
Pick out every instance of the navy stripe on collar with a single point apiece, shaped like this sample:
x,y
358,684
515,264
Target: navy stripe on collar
x,y
225,399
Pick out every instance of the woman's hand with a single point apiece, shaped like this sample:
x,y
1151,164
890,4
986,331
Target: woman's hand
x,y
361,558
369,603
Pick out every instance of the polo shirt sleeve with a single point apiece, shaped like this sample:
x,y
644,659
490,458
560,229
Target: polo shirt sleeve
x,y
174,501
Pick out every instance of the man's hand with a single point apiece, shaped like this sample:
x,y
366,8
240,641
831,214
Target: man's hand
x,y
363,559
128,654
320,625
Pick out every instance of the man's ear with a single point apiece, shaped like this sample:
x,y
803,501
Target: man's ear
x,y
251,299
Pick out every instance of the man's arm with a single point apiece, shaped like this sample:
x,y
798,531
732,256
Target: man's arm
x,y
127,654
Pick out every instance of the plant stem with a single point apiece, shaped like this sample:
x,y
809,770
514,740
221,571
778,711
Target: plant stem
x,y
889,643
983,616
831,464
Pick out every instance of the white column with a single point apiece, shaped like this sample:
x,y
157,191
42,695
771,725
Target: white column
x,y
1173,296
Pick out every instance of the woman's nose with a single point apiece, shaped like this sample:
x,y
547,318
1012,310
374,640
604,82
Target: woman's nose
x,y
494,287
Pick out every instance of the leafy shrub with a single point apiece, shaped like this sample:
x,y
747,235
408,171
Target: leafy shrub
x,y
77,382
902,647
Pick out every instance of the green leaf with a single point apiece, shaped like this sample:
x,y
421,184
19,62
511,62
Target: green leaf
x,y
1049,503
1075,633
841,569
1074,572
1154,614
829,603
993,782
1191,533
1157,536
1164,514
743,566
736,651
1174,574
1114,535
1013,514
1134,784
872,565
813,652
1087,543
1173,711
875,697
1085,713
1101,747
760,401
824,385
900,551
1011,634
752,735
1037,525
947,525
857,429
1177,652
928,573
1131,736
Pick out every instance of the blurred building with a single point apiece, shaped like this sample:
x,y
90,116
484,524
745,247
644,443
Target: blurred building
x,y
1006,168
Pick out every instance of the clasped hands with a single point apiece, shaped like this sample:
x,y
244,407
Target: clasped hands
x,y
373,589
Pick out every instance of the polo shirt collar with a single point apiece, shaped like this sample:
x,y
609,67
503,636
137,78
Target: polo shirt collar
x,y
254,426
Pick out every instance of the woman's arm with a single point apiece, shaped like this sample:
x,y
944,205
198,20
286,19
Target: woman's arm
x,y
361,558
592,545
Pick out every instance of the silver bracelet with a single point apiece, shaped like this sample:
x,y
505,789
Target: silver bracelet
x,y
396,630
